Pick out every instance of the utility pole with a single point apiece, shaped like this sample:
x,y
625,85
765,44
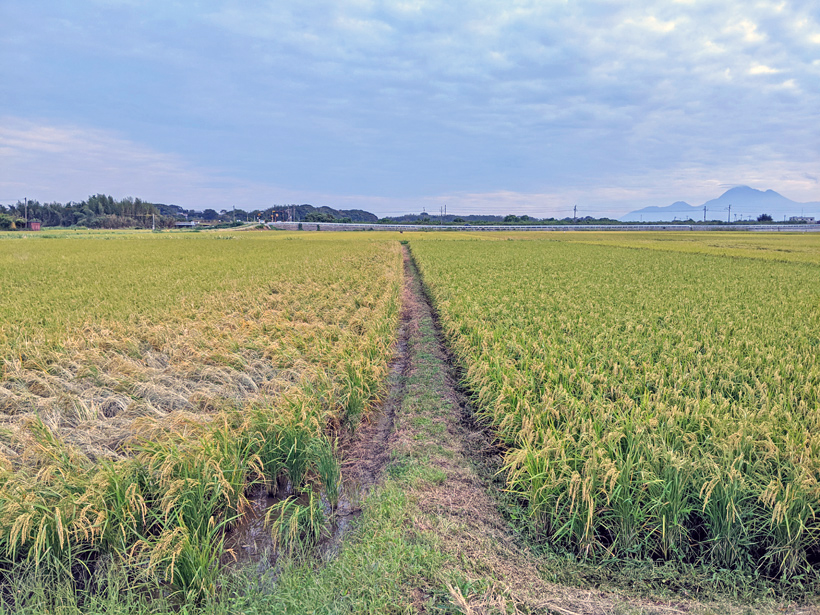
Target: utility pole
x,y
153,222
575,214
26,200
729,217
234,214
704,213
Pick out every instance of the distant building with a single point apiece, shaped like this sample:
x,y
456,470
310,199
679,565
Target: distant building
x,y
187,224
33,226
806,219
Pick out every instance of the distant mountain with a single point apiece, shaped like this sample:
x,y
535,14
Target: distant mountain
x,y
356,215
679,210
746,203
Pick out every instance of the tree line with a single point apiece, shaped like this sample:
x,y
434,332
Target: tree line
x,y
98,211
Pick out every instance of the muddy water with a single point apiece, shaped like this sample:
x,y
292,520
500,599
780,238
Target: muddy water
x,y
363,456
250,540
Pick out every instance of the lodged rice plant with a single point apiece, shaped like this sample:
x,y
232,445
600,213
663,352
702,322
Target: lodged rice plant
x,y
150,382
653,403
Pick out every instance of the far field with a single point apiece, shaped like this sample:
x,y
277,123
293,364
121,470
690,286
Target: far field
x,y
655,398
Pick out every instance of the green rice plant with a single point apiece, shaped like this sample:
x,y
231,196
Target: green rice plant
x,y
187,559
327,469
628,492
355,396
793,530
672,505
296,523
729,515
295,445
122,491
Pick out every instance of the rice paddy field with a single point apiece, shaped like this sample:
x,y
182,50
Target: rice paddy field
x,y
656,396
150,382
654,403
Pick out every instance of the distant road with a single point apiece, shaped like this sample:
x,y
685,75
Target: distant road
x,y
360,226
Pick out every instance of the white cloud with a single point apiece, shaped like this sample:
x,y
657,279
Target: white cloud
x,y
393,104
653,24
762,69
748,31
713,47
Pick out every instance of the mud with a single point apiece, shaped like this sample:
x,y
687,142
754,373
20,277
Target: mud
x,y
250,540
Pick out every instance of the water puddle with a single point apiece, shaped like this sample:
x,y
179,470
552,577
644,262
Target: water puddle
x,y
250,540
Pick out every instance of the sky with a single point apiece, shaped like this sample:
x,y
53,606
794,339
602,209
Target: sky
x,y
485,106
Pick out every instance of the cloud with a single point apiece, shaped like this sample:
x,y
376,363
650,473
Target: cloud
x,y
69,163
395,104
762,69
747,30
653,24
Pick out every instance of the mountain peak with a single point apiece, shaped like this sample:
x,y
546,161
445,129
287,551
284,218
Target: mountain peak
x,y
745,201
742,190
